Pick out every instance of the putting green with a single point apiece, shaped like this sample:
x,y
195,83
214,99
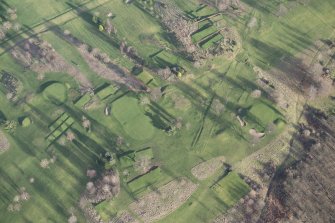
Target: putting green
x,y
127,111
56,93
25,121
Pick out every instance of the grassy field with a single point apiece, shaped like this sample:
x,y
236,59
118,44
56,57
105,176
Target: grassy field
x,y
205,102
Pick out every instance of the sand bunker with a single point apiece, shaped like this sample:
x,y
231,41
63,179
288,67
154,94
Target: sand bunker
x,y
254,133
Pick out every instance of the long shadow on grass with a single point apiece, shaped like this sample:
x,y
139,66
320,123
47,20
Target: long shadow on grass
x,y
108,138
264,6
17,38
292,71
193,94
73,157
249,87
234,107
41,118
85,14
25,147
50,198
6,178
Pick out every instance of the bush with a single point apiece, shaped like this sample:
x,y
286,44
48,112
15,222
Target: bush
x,y
9,126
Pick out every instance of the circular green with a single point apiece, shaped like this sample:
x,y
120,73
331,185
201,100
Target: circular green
x,y
56,93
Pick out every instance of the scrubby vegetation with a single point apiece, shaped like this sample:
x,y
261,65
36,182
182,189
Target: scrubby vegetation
x,y
166,111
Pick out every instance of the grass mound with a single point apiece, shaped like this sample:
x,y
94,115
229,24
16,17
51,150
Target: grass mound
x,y
134,122
55,92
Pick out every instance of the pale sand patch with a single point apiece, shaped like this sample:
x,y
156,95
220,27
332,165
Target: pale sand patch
x,y
254,133
208,168
158,204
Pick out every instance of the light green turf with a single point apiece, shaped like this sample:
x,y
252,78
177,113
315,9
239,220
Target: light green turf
x,y
127,111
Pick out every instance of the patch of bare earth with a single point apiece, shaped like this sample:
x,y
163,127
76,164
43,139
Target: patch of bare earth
x,y
158,204
206,169
41,57
4,143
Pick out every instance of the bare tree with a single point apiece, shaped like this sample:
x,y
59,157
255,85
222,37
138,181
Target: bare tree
x,y
44,163
7,25
110,27
24,196
86,123
70,136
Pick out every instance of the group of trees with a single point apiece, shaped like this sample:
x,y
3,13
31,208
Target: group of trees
x,y
8,22
177,24
18,200
107,186
11,84
44,163
99,188
304,190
